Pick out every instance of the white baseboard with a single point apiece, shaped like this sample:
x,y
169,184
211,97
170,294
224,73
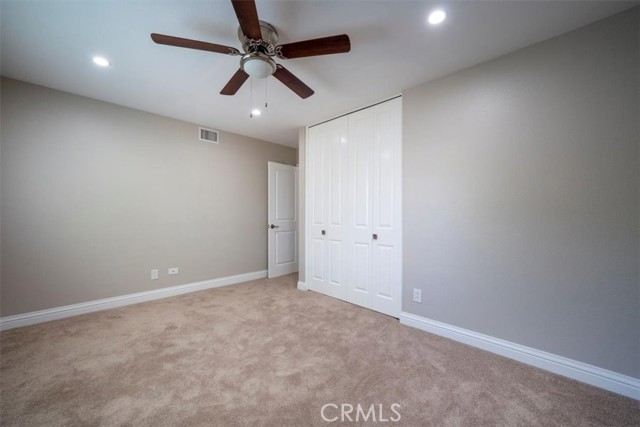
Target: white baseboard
x,y
302,286
10,322
599,377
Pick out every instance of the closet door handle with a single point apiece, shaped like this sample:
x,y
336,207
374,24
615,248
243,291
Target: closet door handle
x,y
324,232
375,236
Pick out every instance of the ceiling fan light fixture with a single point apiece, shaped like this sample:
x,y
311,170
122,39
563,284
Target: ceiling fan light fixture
x,y
258,65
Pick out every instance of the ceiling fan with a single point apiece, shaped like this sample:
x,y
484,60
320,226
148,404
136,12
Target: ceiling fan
x,y
259,42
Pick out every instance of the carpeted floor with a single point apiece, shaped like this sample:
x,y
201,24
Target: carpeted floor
x,y
264,354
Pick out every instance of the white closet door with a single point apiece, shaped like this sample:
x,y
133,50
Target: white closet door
x,y
354,211
336,173
360,216
316,212
387,208
374,210
327,173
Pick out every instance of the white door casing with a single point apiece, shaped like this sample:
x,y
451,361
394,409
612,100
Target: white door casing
x,y
282,219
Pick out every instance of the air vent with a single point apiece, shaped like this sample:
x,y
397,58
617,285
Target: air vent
x,y
209,135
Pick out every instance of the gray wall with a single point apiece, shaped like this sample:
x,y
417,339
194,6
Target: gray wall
x,y
95,195
521,196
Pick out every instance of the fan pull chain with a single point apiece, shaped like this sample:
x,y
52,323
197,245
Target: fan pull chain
x,y
251,98
266,93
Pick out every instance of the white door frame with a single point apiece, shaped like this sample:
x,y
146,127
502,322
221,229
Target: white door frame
x,y
282,220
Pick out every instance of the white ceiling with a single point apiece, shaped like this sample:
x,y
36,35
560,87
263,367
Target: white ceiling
x,y
52,42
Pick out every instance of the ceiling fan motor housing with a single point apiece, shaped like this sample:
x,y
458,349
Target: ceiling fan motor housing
x,y
257,62
266,45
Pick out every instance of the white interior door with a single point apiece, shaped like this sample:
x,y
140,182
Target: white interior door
x,y
282,220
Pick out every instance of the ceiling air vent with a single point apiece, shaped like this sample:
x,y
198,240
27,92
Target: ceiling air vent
x,y
209,135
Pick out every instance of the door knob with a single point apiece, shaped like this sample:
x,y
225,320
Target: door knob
x,y
274,226
324,232
375,237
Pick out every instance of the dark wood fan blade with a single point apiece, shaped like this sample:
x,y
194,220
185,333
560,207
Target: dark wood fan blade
x,y
248,18
292,82
235,83
314,47
193,44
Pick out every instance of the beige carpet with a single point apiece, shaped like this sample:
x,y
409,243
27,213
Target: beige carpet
x,y
264,354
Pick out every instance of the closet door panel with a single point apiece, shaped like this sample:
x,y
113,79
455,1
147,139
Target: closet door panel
x,y
317,209
317,260
316,170
360,279
335,270
385,169
335,146
361,141
385,271
387,205
360,214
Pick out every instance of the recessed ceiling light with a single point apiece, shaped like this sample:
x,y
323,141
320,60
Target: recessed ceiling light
x,y
99,60
255,112
436,17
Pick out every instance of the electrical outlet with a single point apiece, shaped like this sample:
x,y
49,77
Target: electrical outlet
x,y
417,295
154,274
173,270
